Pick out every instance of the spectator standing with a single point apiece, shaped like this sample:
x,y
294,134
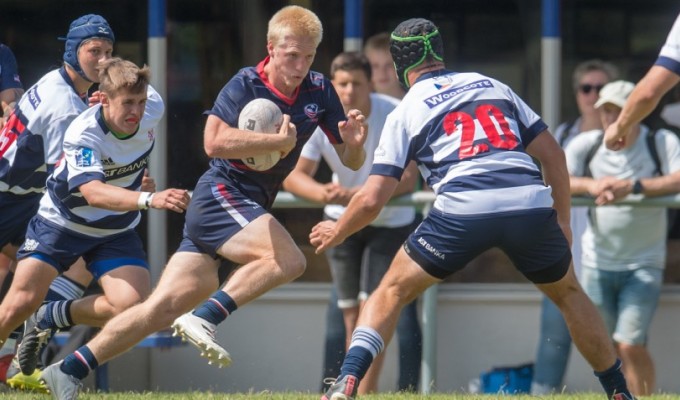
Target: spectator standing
x,y
409,333
473,139
662,77
384,80
383,74
624,247
358,264
554,342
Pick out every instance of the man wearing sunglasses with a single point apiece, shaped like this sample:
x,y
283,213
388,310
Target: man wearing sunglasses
x,y
624,247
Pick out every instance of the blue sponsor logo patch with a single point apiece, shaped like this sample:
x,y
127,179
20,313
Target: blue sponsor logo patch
x,y
434,101
34,98
84,157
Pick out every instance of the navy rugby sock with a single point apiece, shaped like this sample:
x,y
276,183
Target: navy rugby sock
x,y
57,315
612,380
217,308
79,363
64,288
365,346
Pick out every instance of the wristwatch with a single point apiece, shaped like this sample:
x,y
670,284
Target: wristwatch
x,y
637,187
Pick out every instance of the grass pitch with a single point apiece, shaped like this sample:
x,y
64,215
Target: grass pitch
x,y
12,395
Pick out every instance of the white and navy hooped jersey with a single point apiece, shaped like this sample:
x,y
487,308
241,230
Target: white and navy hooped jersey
x,y
468,134
92,152
669,57
315,103
30,141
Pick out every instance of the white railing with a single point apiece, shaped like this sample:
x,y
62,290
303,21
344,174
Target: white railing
x,y
423,200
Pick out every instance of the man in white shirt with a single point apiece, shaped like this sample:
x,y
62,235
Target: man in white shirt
x,y
624,247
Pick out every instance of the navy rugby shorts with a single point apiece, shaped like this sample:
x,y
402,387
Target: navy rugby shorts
x,y
16,212
215,214
61,247
444,243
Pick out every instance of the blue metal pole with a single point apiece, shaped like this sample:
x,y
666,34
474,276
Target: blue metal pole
x,y
354,21
551,61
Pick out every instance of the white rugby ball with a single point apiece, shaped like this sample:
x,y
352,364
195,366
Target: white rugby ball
x,y
261,115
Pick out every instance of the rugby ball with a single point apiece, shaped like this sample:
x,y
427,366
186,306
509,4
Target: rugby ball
x,y
261,115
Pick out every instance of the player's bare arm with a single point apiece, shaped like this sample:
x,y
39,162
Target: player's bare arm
x,y
223,141
641,102
408,181
354,133
364,207
110,197
554,168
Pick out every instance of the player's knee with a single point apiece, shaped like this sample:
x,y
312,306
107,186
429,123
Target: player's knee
x,y
21,306
294,264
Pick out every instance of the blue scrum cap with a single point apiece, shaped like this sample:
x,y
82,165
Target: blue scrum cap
x,y
88,26
410,44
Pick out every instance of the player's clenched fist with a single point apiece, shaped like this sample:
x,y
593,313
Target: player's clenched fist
x,y
176,200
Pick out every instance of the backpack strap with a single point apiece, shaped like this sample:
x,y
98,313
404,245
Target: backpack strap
x,y
590,154
565,133
651,147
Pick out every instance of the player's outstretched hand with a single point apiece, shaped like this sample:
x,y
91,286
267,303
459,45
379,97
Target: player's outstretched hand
x,y
324,236
148,183
354,131
176,200
289,132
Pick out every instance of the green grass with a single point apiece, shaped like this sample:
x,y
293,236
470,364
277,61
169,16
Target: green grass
x,y
310,396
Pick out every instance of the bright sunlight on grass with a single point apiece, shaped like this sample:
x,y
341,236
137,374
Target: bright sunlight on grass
x,y
311,396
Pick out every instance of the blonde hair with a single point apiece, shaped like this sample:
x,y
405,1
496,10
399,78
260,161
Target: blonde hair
x,y
116,74
296,21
